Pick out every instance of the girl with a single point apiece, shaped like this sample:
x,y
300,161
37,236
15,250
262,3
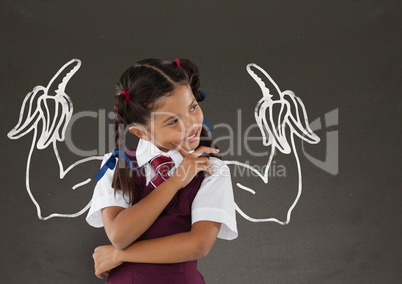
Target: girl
x,y
165,203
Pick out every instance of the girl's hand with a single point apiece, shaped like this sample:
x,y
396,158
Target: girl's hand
x,y
105,259
192,164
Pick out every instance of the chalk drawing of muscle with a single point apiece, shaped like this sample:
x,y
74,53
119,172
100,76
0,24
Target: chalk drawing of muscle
x,y
273,126
36,113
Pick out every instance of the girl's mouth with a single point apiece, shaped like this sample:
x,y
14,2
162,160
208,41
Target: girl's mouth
x,y
193,137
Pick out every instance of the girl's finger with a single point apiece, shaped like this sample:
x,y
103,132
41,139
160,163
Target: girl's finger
x,y
208,169
182,151
204,163
203,149
99,275
105,274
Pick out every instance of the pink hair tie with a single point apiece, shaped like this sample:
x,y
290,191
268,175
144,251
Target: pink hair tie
x,y
126,95
177,62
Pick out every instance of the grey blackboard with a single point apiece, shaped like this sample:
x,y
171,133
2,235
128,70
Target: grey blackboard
x,y
341,58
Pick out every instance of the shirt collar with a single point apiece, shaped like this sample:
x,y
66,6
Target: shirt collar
x,y
146,150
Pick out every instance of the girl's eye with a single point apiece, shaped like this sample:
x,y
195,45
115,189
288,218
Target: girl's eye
x,y
193,107
173,122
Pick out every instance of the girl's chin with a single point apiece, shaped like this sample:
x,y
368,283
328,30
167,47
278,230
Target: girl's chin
x,y
190,146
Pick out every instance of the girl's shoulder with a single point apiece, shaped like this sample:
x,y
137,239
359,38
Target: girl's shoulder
x,y
217,161
219,167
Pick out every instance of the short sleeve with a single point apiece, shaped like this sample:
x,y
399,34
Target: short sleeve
x,y
104,196
215,202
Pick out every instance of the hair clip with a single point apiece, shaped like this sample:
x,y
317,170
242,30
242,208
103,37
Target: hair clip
x,y
126,95
177,62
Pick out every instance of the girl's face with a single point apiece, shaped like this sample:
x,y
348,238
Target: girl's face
x,y
178,121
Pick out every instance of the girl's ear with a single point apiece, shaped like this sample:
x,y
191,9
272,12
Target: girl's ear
x,y
140,131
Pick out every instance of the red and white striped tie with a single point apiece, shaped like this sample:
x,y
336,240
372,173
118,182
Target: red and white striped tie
x,y
162,165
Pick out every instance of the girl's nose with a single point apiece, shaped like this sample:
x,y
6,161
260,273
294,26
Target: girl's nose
x,y
189,124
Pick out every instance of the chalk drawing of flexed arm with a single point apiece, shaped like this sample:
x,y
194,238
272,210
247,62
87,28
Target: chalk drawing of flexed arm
x,y
37,113
290,117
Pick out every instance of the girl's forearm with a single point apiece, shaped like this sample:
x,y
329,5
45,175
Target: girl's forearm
x,y
171,249
174,248
125,227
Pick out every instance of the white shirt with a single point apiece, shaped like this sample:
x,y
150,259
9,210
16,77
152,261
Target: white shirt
x,y
214,200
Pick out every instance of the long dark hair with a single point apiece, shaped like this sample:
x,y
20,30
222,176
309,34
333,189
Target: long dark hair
x,y
147,81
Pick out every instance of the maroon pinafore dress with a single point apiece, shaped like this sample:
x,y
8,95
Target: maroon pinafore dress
x,y
175,218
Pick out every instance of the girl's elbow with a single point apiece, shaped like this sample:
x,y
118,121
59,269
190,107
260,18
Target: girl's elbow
x,y
202,249
118,242
204,252
119,246
204,235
